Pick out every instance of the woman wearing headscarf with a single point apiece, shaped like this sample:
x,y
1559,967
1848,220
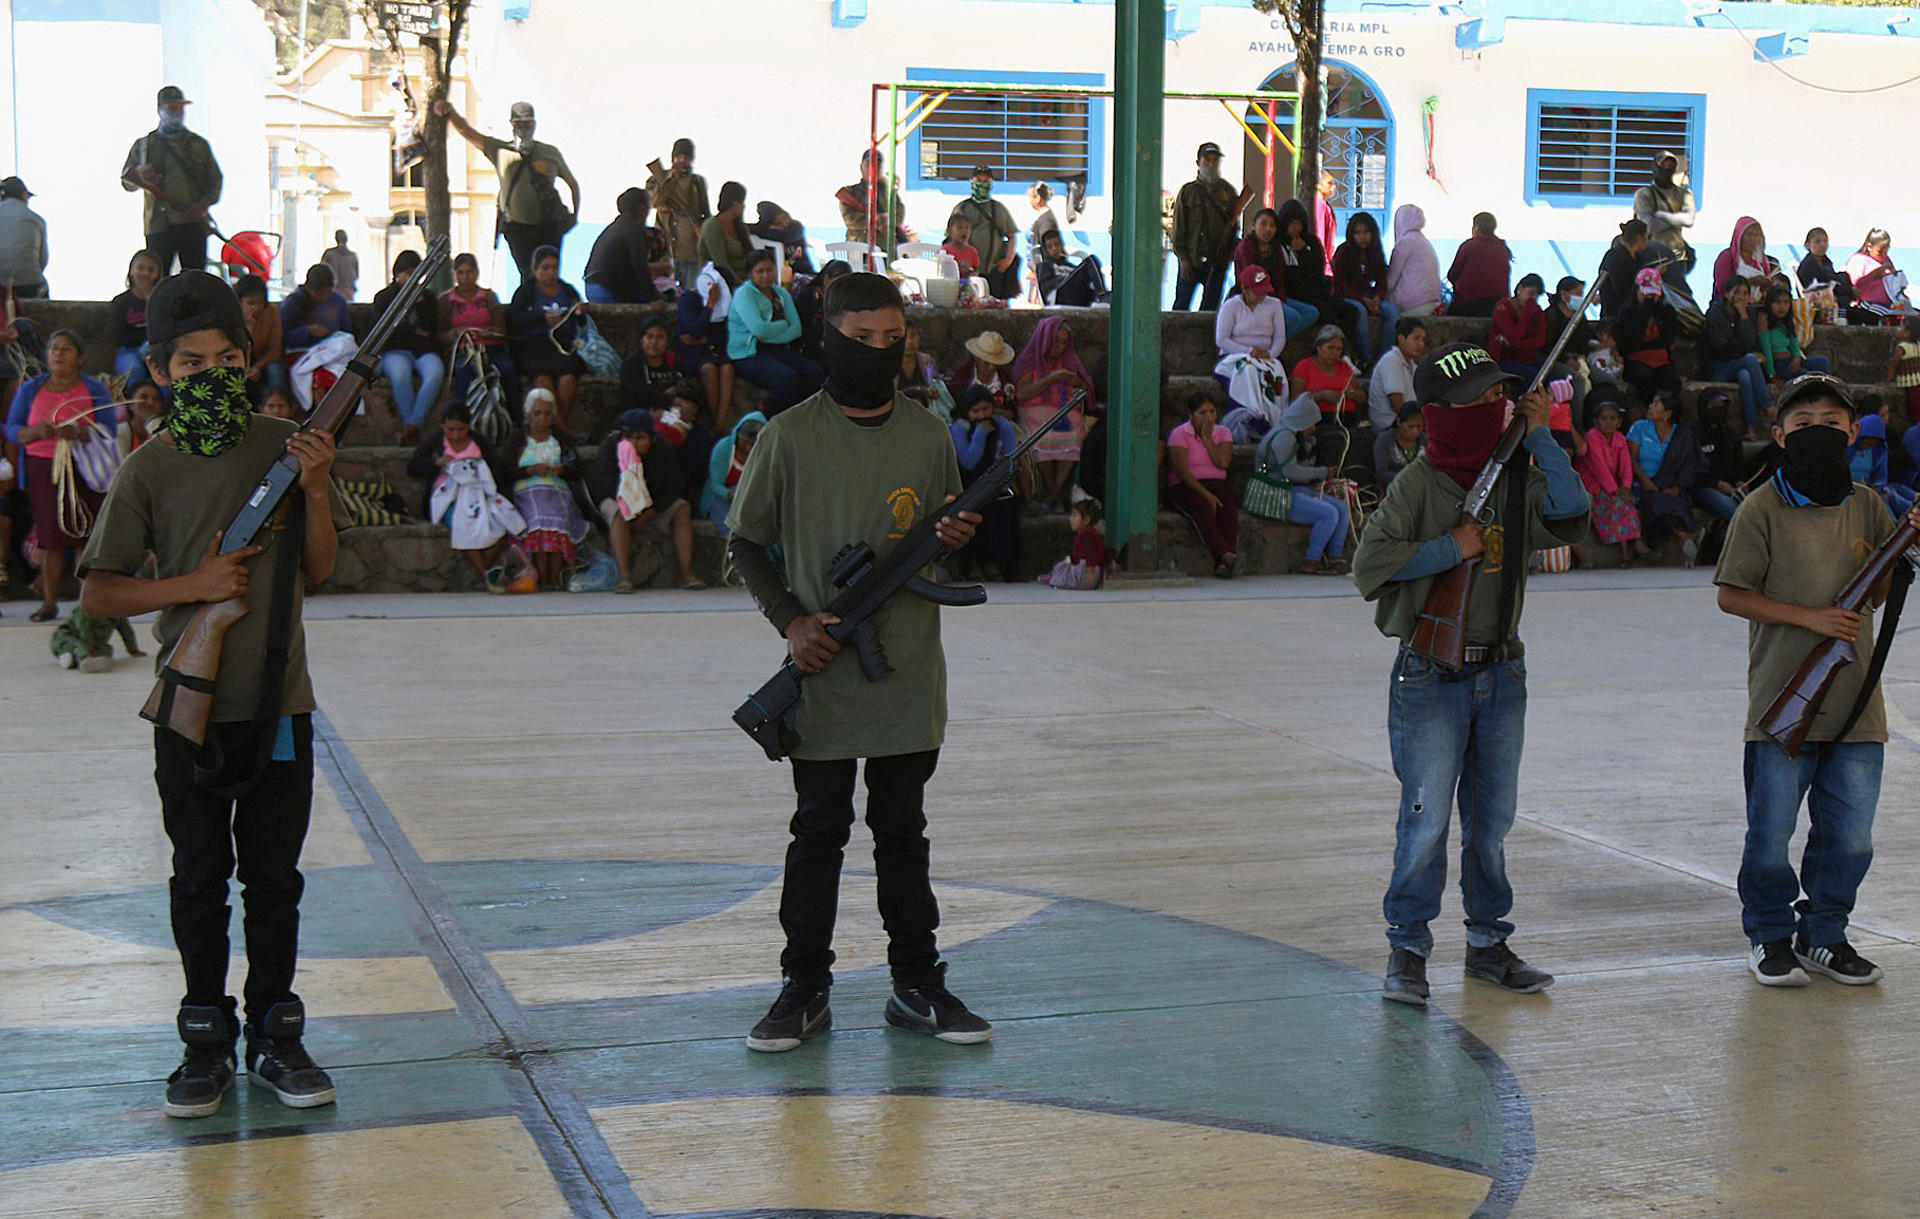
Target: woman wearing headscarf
x,y
1413,273
1875,281
1745,257
775,223
723,238
1645,332
1047,373
1251,331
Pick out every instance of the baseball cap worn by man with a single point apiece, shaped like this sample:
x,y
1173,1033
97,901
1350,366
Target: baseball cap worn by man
x,y
1208,149
1457,374
190,301
14,188
522,112
170,95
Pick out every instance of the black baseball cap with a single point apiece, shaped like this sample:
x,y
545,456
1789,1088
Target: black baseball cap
x,y
1813,385
983,171
14,188
1457,374
1208,149
169,94
190,301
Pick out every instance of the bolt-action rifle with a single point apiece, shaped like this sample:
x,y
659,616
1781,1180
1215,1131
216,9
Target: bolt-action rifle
x,y
1440,635
182,698
867,582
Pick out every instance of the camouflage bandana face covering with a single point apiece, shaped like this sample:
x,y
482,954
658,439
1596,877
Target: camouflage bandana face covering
x,y
210,412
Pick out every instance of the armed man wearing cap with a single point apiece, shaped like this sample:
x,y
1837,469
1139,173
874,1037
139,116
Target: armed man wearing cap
x,y
173,499
680,200
1460,730
1206,226
176,169
23,242
992,234
531,214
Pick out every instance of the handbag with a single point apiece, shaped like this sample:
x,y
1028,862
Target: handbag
x,y
486,401
1268,493
93,456
592,347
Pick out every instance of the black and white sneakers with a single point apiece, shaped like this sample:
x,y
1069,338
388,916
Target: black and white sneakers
x,y
1773,964
198,1086
1837,961
277,1061
800,1012
929,1007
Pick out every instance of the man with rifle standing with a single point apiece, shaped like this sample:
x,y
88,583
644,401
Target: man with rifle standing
x,y
173,498
1792,554
1456,724
176,169
856,462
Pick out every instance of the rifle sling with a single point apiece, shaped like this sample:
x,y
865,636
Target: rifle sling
x,y
1882,644
234,776
1514,550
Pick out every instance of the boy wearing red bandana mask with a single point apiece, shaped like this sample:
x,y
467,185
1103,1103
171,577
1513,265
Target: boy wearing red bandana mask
x,y
1462,731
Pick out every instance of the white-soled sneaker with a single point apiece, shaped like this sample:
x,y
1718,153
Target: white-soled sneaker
x,y
1837,961
1773,964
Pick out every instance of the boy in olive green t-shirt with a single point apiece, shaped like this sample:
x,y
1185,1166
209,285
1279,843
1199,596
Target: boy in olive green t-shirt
x,y
1793,545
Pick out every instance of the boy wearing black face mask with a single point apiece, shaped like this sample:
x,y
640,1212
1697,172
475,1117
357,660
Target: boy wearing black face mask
x,y
855,462
173,497
1794,544
1462,731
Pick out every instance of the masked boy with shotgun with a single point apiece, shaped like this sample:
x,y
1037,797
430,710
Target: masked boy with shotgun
x,y
1456,723
1796,566
174,498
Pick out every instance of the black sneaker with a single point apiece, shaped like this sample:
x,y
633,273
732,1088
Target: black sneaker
x,y
1837,961
930,1008
278,1062
1501,967
800,1012
199,1085
1773,964
1406,978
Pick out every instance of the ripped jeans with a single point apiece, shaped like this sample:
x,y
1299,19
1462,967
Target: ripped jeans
x,y
1461,736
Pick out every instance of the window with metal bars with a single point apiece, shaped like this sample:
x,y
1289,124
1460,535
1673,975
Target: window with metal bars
x,y
1023,137
1599,147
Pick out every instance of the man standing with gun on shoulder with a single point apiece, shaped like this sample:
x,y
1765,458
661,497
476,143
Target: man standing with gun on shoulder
x,y
857,462
174,497
1459,728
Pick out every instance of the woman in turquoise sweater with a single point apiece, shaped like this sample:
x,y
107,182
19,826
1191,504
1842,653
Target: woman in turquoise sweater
x,y
760,326
1780,352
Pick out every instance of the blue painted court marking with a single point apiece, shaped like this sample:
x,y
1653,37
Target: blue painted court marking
x,y
582,1164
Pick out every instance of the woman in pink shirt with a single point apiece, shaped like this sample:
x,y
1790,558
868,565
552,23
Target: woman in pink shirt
x,y
1198,454
47,409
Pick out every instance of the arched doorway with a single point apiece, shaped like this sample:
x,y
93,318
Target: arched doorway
x,y
1356,144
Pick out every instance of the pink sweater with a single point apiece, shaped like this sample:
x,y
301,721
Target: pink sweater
x,y
1607,466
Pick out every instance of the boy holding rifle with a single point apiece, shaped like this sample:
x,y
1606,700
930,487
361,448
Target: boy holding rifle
x,y
1793,546
174,497
855,462
1461,729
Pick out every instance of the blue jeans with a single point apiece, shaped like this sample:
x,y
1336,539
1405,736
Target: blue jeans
x,y
1716,501
1807,364
411,401
129,360
1747,372
1453,736
1840,785
1327,517
787,376
1301,317
1363,333
1210,277
717,513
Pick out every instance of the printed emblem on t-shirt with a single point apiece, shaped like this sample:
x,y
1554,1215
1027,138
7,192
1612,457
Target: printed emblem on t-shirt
x,y
904,503
1862,550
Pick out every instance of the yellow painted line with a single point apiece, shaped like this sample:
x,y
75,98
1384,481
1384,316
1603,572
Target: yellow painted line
x,y
487,1166
990,1159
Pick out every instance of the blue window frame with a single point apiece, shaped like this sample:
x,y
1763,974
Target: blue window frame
x,y
1023,139
1596,148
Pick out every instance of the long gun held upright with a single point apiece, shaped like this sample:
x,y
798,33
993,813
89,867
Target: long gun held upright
x,y
867,582
1440,634
182,697
1790,717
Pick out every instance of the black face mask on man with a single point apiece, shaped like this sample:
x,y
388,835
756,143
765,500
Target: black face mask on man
x,y
860,376
1816,464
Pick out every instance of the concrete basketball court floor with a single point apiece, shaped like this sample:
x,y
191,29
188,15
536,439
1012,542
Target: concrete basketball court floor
x,y
540,918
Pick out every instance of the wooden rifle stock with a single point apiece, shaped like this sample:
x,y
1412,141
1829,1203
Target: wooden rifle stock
x,y
1791,715
182,696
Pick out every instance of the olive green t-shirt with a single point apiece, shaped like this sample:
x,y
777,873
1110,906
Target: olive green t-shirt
x,y
818,481
1804,556
172,503
1423,503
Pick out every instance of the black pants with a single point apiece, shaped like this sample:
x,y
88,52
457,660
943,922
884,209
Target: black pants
x,y
1648,380
188,242
524,239
1208,278
896,797
267,826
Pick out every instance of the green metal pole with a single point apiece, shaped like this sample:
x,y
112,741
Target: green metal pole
x,y
1133,407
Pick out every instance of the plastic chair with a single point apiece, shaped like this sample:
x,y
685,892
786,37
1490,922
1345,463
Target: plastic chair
x,y
917,249
858,255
